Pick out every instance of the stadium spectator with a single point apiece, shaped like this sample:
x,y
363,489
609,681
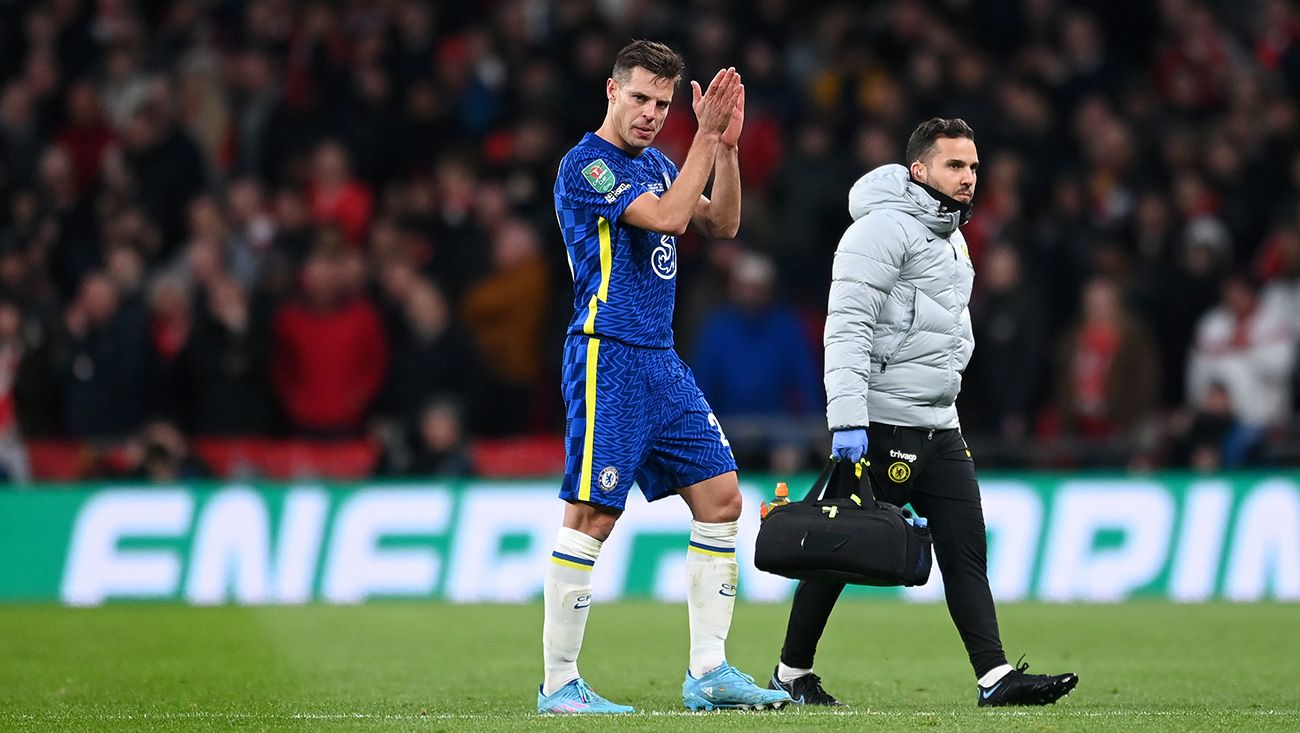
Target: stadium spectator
x,y
337,198
103,363
225,365
704,285
203,259
169,322
1201,435
1278,267
446,212
37,387
66,222
432,356
86,135
1006,369
1160,289
203,108
14,468
253,231
504,312
1106,373
294,234
759,404
328,354
20,131
780,377
125,267
808,202
124,85
260,131
166,167
1193,59
370,125
1247,344
396,278
160,454
1207,256
436,448
1060,250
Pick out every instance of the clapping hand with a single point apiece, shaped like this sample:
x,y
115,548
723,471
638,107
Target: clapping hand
x,y
731,135
715,108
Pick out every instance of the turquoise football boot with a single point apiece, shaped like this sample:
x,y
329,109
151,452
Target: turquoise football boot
x,y
576,698
728,688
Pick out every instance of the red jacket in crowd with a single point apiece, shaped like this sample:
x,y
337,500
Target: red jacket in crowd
x,y
327,366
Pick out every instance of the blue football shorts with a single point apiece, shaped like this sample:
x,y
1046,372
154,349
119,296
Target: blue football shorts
x,y
635,414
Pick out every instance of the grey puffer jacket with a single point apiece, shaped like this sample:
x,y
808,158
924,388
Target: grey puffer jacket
x,y
898,331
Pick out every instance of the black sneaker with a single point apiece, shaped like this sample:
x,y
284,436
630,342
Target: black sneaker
x,y
805,690
1018,688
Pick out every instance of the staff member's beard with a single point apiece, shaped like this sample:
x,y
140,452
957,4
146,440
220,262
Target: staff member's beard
x,y
947,204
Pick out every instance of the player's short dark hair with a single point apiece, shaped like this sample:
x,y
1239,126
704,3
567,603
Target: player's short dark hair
x,y
922,142
656,58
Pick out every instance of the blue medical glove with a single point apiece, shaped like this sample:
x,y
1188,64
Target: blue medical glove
x,y
849,444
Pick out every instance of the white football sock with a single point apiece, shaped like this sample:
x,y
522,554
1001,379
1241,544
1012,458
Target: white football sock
x,y
567,591
992,676
790,674
711,575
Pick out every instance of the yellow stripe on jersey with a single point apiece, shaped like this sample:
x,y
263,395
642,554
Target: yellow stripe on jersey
x,y
589,438
606,264
606,257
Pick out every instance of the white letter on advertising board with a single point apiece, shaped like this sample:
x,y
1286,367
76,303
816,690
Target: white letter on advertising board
x,y
1200,542
231,559
1266,545
480,571
98,568
1142,512
231,550
360,567
302,529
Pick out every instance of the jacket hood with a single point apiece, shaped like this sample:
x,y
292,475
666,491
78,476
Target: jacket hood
x,y
890,187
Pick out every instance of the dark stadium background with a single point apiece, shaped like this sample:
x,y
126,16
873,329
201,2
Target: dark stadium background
x,y
280,238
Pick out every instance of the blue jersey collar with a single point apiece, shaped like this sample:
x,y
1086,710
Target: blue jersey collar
x,y
592,138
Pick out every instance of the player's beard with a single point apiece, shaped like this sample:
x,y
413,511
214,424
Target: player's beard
x,y
952,194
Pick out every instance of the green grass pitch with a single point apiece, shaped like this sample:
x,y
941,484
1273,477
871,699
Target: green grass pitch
x,y
434,667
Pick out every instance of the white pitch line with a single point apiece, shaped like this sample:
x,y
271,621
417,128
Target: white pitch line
x,y
1059,713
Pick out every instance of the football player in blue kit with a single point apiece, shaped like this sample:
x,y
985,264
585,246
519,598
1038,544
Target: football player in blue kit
x,y
634,411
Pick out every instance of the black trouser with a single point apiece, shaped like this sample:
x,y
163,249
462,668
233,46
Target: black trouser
x,y
933,470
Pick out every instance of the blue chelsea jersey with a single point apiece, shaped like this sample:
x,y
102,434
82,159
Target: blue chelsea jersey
x,y
624,278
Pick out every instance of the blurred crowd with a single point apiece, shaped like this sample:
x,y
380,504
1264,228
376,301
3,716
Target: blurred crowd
x,y
334,219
